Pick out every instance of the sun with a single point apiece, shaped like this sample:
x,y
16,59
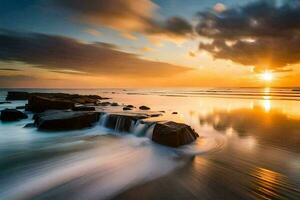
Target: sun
x,y
267,76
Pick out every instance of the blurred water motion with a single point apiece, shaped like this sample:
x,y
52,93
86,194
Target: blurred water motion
x,y
97,170
248,149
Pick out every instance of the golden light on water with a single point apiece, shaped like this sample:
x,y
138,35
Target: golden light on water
x,y
267,105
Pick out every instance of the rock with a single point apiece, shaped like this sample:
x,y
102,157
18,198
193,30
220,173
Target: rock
x,y
114,104
174,113
12,115
130,106
173,134
40,104
65,120
104,103
5,102
155,115
162,111
16,95
29,125
75,98
127,108
20,107
83,108
144,108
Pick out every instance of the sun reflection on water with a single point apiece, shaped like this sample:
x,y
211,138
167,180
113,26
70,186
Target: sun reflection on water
x,y
267,183
267,105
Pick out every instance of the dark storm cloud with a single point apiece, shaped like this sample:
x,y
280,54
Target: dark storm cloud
x,y
262,33
174,25
63,53
126,15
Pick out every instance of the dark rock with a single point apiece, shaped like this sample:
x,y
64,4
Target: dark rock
x,y
76,98
20,107
40,104
30,125
155,115
65,120
12,115
127,108
162,111
174,113
11,95
104,103
173,134
83,108
130,106
114,104
144,108
5,102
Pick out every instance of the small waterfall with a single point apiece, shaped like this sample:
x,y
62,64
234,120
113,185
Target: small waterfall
x,y
141,128
129,124
104,119
150,130
122,124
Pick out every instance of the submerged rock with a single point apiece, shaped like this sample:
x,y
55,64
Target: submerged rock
x,y
83,108
40,104
114,104
16,95
65,120
106,103
12,115
173,134
144,108
127,108
5,102
29,125
20,107
174,113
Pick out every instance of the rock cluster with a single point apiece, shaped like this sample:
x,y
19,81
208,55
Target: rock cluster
x,y
61,112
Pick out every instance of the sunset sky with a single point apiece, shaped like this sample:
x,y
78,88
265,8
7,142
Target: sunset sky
x,y
144,43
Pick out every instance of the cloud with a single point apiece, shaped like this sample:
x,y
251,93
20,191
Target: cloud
x,y
93,32
261,33
9,80
63,53
126,16
192,54
9,69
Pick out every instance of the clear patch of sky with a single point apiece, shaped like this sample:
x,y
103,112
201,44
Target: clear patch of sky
x,y
188,8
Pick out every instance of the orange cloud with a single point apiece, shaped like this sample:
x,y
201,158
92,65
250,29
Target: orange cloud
x,y
127,16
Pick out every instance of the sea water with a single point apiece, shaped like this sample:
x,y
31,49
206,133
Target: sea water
x,y
248,148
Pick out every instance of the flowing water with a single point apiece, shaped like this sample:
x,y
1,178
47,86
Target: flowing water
x,y
249,148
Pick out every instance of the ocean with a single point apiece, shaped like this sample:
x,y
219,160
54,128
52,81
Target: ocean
x,y
249,148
